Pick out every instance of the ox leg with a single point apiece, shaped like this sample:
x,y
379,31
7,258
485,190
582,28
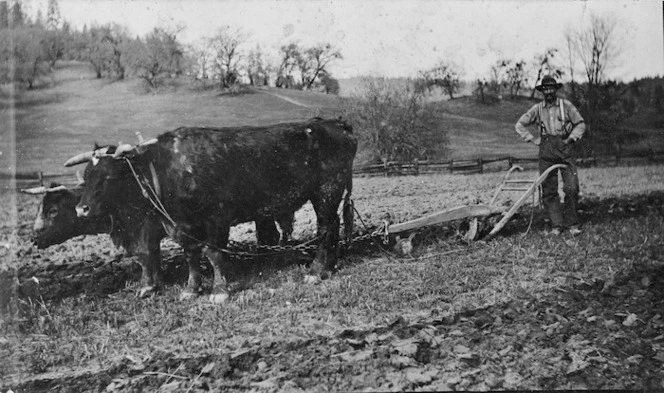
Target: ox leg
x,y
220,292
266,232
286,224
146,247
326,254
193,288
152,277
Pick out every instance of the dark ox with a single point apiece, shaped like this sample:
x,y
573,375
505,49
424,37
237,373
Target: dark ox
x,y
57,222
201,181
56,219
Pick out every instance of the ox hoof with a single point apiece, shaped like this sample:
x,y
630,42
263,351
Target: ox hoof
x,y
147,291
219,298
312,279
188,295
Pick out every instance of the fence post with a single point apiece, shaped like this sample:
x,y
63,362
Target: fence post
x,y
40,176
509,162
450,166
480,164
417,167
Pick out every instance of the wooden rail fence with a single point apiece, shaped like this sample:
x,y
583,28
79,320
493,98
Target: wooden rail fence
x,y
481,165
394,168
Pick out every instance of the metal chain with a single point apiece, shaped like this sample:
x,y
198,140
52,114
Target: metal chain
x,y
304,248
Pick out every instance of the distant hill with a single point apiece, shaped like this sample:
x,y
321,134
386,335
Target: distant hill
x,y
75,110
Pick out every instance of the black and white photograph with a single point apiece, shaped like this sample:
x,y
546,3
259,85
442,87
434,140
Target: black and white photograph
x,y
462,195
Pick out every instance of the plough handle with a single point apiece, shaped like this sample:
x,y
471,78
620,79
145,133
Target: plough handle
x,y
523,199
507,176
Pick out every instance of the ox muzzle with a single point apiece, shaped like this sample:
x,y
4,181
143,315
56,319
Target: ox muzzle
x,y
83,211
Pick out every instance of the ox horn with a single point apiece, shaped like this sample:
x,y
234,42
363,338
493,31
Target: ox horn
x,y
80,158
123,149
42,190
149,142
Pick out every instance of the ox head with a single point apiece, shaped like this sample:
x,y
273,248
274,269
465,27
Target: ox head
x,y
108,178
56,218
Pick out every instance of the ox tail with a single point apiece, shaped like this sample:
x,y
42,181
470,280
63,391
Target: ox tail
x,y
348,210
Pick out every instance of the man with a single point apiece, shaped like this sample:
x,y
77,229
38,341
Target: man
x,y
559,126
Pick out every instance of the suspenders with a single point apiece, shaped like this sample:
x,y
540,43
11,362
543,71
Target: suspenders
x,y
543,130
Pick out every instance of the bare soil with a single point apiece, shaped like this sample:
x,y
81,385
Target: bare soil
x,y
599,334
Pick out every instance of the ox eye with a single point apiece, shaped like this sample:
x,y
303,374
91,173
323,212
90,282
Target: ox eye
x,y
53,212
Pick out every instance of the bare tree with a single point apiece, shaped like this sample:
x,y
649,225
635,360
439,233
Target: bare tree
x,y
515,76
545,65
116,36
571,59
497,76
225,46
315,61
598,47
105,47
445,76
291,60
258,68
200,58
158,57
22,55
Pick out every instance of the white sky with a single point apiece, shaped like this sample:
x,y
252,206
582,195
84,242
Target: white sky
x,y
394,37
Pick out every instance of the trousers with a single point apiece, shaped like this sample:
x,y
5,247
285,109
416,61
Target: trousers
x,y
554,151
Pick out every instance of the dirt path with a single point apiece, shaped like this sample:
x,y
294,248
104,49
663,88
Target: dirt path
x,y
292,101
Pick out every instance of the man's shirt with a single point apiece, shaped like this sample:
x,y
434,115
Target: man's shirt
x,y
561,118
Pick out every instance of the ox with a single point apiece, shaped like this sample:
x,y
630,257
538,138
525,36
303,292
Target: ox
x,y
56,219
57,222
198,182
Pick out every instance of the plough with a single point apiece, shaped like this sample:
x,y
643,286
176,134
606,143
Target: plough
x,y
474,212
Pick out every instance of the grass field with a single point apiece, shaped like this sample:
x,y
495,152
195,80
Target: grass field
x,y
524,310
75,110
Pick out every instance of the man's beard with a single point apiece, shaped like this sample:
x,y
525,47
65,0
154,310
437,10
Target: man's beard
x,y
550,97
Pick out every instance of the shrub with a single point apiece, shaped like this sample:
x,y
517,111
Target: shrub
x,y
393,121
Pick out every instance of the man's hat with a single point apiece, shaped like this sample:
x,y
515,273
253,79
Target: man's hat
x,y
549,81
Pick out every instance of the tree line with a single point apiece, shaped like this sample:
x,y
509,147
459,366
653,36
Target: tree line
x,y
399,121
395,121
30,48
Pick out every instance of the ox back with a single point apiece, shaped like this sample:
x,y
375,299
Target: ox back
x,y
212,178
246,173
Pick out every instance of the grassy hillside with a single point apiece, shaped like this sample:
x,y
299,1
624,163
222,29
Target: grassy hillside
x,y
75,110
